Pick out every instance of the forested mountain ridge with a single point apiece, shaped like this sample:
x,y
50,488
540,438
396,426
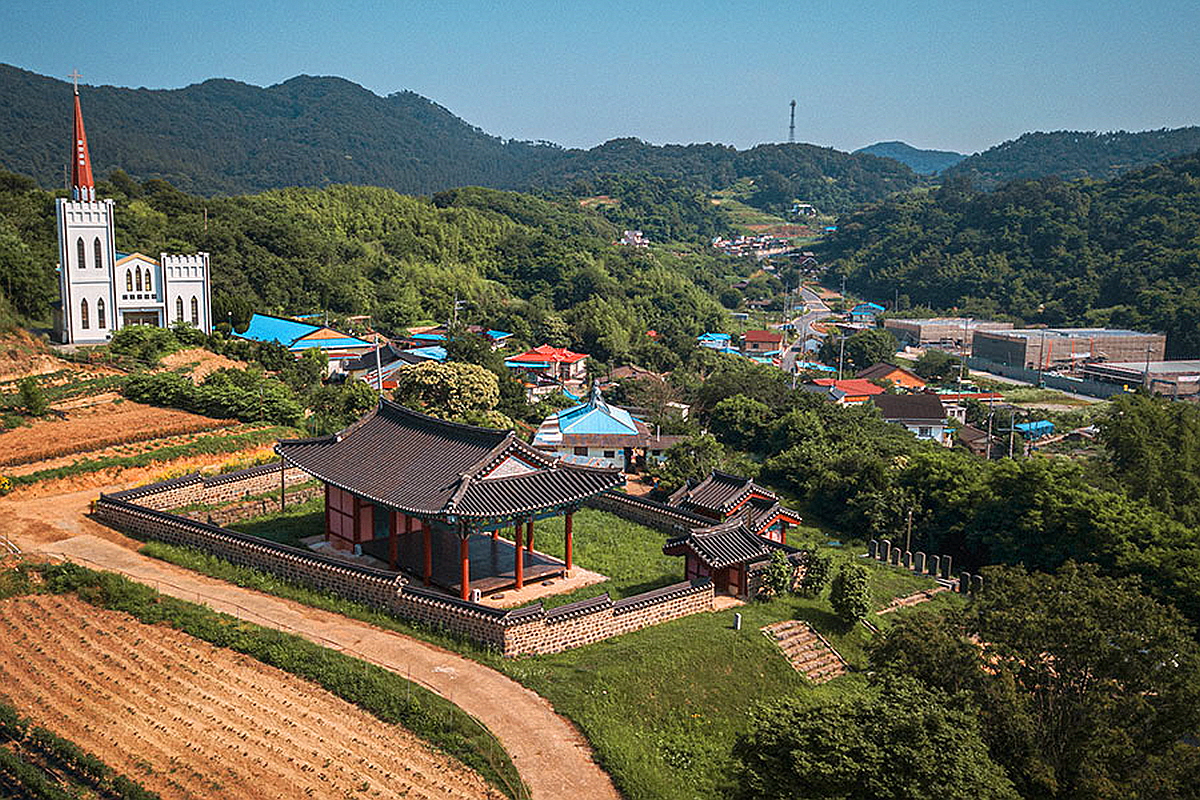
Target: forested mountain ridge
x,y
922,162
226,137
1071,155
1123,252
544,270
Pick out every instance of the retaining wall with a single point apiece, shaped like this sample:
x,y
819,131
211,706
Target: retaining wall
x,y
523,631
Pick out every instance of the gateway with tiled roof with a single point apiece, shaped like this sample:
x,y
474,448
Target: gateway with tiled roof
x,y
730,553
399,470
722,496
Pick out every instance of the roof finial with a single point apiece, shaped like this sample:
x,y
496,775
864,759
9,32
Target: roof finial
x,y
75,76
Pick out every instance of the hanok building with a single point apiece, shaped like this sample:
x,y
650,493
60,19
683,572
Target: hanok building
x,y
722,497
429,497
599,434
729,553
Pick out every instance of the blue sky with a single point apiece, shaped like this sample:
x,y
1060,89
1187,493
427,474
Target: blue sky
x,y
959,76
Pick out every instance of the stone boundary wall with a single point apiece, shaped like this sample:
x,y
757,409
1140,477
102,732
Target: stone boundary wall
x,y
529,630
212,490
650,513
253,508
371,587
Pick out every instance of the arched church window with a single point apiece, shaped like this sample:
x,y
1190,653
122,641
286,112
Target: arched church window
x,y
83,312
101,322
147,280
195,312
81,252
129,280
137,274
98,256
179,309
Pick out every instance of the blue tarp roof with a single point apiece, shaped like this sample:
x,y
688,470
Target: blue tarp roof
x,y
713,337
867,307
264,328
498,334
815,366
328,344
430,337
433,352
1042,427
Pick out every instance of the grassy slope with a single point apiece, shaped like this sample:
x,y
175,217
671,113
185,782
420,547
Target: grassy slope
x,y
662,706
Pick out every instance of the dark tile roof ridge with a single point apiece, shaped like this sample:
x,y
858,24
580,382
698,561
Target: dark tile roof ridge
x,y
308,440
392,407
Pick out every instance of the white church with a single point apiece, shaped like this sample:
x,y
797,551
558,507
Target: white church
x,y
103,290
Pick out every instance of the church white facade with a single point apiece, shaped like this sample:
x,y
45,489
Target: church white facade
x,y
102,290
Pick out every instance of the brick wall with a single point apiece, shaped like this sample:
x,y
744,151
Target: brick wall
x,y
530,630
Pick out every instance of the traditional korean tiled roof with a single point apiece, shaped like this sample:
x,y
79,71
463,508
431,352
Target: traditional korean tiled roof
x,y
723,545
720,493
388,354
430,467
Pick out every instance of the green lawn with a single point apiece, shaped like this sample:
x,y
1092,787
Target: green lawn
x,y
288,526
663,706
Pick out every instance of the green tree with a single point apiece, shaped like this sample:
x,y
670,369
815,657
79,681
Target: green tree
x,y
862,349
818,567
936,365
741,422
336,407
896,741
778,575
462,392
32,398
850,593
692,459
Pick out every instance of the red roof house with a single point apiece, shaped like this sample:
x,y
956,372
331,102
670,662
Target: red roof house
x,y
553,362
850,391
761,341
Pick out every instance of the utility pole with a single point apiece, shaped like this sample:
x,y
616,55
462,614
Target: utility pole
x,y
962,361
1012,419
991,413
841,354
378,368
908,536
792,126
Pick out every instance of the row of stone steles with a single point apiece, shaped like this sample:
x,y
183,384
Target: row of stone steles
x,y
936,566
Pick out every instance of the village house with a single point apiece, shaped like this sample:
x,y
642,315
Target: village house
x,y
599,434
865,313
373,368
846,392
557,364
898,376
922,414
299,337
762,343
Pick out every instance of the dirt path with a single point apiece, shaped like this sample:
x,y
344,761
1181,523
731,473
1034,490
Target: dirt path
x,y
551,756
190,720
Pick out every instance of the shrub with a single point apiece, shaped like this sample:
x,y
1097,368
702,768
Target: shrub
x,y
32,398
850,593
777,575
817,568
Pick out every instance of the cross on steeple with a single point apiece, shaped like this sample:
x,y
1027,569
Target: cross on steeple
x,y
75,76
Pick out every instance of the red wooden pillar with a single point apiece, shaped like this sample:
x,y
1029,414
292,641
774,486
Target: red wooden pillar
x,y
568,525
495,534
783,532
428,552
529,544
519,555
464,555
392,535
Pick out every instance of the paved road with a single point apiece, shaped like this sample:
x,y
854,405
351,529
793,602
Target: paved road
x,y
552,757
814,309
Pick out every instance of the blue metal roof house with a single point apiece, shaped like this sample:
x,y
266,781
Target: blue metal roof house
x,y
300,336
1035,430
865,312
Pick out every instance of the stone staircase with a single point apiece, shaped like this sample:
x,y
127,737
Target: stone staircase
x,y
919,597
807,650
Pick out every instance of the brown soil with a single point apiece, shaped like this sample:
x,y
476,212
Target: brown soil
x,y
190,720
200,362
21,354
94,427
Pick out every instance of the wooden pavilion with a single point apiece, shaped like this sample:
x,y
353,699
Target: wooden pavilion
x,y
430,496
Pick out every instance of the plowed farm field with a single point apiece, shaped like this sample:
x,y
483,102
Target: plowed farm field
x,y
190,720
94,427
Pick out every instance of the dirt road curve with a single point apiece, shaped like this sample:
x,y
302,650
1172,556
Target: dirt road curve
x,y
549,753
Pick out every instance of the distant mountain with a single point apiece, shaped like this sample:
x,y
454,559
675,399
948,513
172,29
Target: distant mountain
x,y
226,137
1073,154
922,162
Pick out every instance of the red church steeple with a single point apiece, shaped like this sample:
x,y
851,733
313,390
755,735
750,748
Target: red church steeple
x,y
82,186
